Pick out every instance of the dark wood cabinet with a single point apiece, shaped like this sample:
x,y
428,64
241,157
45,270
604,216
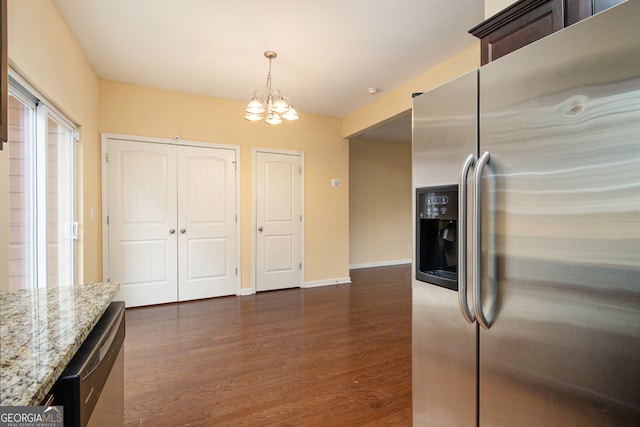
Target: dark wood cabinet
x,y
4,80
529,20
577,10
518,25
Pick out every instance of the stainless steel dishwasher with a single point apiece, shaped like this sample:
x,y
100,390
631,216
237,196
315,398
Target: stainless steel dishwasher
x,y
91,388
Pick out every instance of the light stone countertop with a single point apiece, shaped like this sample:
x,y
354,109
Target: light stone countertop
x,y
40,331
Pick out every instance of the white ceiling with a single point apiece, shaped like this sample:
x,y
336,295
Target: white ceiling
x,y
329,51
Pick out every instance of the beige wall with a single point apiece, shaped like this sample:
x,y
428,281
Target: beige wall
x,y
44,52
399,100
137,110
379,203
374,237
491,7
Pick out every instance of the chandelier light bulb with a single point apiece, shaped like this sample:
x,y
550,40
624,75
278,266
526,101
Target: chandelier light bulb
x,y
256,106
290,114
280,106
253,117
270,101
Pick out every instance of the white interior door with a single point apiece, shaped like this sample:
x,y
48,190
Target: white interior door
x,y
142,212
278,221
206,223
172,232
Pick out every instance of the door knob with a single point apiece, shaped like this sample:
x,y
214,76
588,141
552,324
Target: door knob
x,y
260,228
172,230
183,230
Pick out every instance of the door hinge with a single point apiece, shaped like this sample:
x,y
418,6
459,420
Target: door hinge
x,y
106,157
301,266
236,271
107,219
300,217
300,171
76,136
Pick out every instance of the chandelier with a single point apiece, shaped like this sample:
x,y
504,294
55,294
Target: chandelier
x,y
270,101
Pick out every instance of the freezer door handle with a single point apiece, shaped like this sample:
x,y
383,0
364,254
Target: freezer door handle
x,y
477,250
462,240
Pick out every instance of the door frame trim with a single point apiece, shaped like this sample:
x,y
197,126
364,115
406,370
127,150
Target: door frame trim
x,y
105,137
254,212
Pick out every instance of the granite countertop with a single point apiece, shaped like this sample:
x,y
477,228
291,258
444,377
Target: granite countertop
x,y
40,331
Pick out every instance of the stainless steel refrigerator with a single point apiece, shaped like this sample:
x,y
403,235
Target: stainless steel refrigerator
x,y
526,271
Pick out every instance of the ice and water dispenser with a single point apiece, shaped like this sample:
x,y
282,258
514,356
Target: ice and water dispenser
x,y
436,235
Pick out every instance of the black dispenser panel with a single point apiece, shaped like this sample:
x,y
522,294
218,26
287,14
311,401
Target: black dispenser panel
x,y
436,235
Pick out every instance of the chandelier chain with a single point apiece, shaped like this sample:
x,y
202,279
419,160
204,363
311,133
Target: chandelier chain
x,y
269,76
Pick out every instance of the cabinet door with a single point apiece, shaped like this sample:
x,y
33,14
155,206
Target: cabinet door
x,y
526,21
577,10
529,27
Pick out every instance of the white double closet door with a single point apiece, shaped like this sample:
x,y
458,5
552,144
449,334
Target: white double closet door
x,y
171,221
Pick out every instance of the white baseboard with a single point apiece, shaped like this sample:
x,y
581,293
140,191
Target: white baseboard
x,y
327,282
380,264
316,283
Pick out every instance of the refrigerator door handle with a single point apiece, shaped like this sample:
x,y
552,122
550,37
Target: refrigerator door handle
x,y
467,313
477,250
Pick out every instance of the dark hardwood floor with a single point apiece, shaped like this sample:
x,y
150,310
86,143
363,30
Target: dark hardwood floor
x,y
328,356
